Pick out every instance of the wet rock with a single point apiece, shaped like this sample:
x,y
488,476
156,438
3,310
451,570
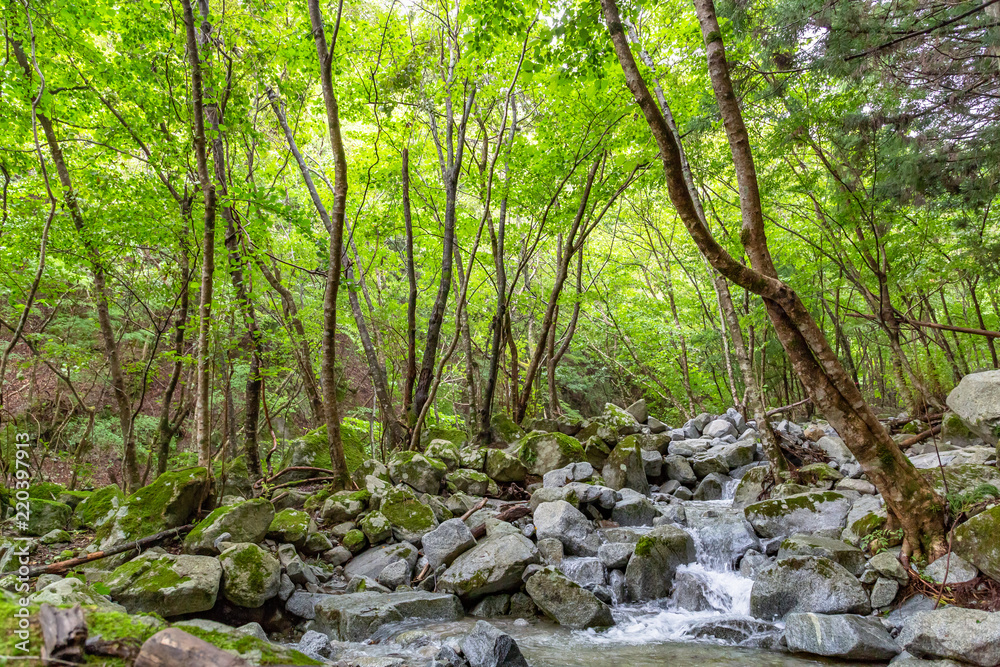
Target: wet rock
x,y
494,565
588,572
711,487
562,521
566,602
799,513
806,584
615,556
751,486
486,646
357,616
847,637
314,644
966,635
166,584
447,542
656,557
250,575
634,510
723,533
492,606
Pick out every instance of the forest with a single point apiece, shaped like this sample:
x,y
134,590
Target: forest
x,y
323,278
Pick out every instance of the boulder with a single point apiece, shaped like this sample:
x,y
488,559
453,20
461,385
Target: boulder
x,y
566,602
634,510
468,481
447,542
168,502
639,411
847,555
845,636
866,516
345,506
486,646
422,473
966,635
376,527
724,534
655,558
711,487
709,462
976,400
505,429
978,541
957,569
98,508
371,563
618,419
70,591
562,521
678,468
395,575
250,575
574,472
750,487
955,431
624,467
806,584
615,555
291,526
799,513
718,428
410,519
44,516
445,451
835,449
503,467
246,521
312,450
494,565
542,452
165,584
355,617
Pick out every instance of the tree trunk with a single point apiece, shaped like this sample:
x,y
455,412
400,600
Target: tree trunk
x,y
411,297
909,497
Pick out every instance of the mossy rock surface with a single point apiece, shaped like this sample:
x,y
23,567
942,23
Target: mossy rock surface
x,y
166,584
376,527
454,435
45,516
291,526
799,513
369,467
99,507
978,541
505,429
962,477
819,474
444,451
504,467
45,490
247,521
624,467
313,450
410,519
354,541
542,452
250,575
468,481
168,502
418,471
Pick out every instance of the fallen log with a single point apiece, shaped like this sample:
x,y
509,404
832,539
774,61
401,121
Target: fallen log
x,y
920,437
137,545
175,648
508,515
64,632
786,408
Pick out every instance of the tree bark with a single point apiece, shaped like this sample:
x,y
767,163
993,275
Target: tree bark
x,y
908,495
411,297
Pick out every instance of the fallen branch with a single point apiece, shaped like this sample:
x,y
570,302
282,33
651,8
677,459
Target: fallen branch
x,y
786,408
137,545
920,437
478,506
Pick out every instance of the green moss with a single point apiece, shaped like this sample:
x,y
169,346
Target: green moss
x,y
352,438
199,530
270,654
442,433
45,491
289,525
249,561
781,506
153,508
644,546
92,511
868,524
148,573
354,540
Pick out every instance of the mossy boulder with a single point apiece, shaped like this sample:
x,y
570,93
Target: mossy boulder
x,y
619,420
454,435
542,452
45,491
505,429
494,565
313,450
70,591
252,649
444,451
250,575
592,428
168,502
799,513
166,584
345,506
962,477
369,467
504,467
750,487
596,451
73,498
955,431
819,474
468,481
410,519
246,521
851,557
45,516
291,526
866,516
566,602
354,541
978,541
624,467
418,471
376,528
473,457
806,584
655,559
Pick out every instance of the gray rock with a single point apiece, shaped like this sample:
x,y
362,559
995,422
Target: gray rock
x,y
504,467
624,467
494,565
718,428
711,487
422,473
486,646
887,564
574,472
861,486
166,584
286,587
976,400
699,422
656,557
372,562
904,659
655,425
71,591
395,575
357,616
245,521
753,562
302,604
551,550
639,411
635,510
250,575
957,568
615,555
723,534
852,558
799,513
492,606
867,515
977,541
847,637
447,542
678,468
562,521
806,584
566,602
966,635
711,461
588,572
314,644
835,448
652,463
884,592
